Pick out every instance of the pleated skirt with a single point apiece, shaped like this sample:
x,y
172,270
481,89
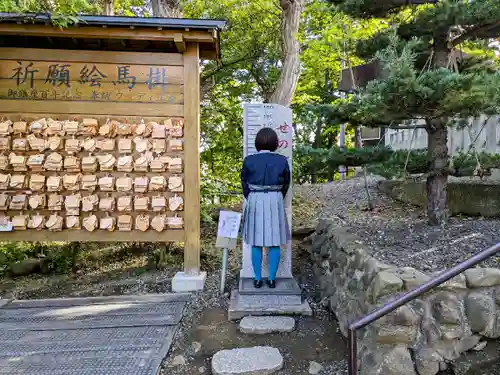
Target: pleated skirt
x,y
264,219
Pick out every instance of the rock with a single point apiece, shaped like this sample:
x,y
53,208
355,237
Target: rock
x,y
260,325
411,277
360,257
386,282
480,310
258,360
315,368
473,361
482,277
480,346
304,231
404,316
458,282
25,267
427,361
446,308
396,361
178,360
195,347
202,369
393,334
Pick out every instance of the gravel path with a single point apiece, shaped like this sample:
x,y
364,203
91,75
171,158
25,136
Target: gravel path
x,y
205,330
398,233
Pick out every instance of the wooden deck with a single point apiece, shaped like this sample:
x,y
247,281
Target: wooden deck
x,y
119,335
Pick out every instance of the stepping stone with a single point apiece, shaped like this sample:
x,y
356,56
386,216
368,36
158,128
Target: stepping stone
x,y
258,360
260,325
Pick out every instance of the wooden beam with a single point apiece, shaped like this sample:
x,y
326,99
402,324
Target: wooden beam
x,y
96,236
89,107
109,33
179,43
192,158
140,58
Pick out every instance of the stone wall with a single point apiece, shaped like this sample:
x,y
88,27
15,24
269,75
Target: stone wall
x,y
422,337
468,196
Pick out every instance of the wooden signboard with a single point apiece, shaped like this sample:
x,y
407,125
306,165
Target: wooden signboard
x,y
92,146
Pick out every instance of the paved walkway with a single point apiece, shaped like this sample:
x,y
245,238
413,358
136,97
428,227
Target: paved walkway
x,y
123,335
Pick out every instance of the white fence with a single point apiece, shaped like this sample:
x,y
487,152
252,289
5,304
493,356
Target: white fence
x,y
484,133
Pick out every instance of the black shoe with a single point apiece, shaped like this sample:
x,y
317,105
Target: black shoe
x,y
257,284
271,284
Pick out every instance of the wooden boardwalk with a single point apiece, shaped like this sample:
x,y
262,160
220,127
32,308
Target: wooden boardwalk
x,y
119,335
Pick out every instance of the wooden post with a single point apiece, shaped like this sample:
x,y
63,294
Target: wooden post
x,y
192,158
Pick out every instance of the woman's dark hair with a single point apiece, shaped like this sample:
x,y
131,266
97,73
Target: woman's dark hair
x,y
267,140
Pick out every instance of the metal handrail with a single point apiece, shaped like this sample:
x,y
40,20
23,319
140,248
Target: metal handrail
x,y
409,296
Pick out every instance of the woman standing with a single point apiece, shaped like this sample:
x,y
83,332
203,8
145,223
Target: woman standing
x,y
265,178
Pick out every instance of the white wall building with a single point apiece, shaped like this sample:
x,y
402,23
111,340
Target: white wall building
x,y
483,132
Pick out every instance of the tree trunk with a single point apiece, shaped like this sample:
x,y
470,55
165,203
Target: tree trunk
x,y
358,142
290,71
166,8
109,7
437,149
437,181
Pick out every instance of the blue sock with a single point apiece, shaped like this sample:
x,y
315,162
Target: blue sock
x,y
257,262
274,261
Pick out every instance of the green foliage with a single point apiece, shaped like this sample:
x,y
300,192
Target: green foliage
x,y
407,94
63,13
417,162
58,253
321,161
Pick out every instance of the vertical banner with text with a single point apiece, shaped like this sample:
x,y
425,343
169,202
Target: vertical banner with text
x,y
257,116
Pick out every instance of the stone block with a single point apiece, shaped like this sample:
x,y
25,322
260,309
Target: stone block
x,y
482,277
258,360
447,308
260,325
360,256
385,283
458,282
372,267
480,310
411,277
270,299
239,309
403,316
395,361
394,334
427,361
183,282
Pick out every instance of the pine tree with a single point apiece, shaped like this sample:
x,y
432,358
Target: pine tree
x,y
423,82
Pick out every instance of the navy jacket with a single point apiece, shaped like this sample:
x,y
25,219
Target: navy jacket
x,y
265,168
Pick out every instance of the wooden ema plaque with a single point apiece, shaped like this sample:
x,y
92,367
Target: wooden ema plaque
x,y
94,146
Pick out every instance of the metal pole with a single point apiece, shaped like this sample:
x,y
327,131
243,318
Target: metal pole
x,y
225,257
353,352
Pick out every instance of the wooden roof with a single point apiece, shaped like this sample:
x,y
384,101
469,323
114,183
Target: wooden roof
x,y
112,33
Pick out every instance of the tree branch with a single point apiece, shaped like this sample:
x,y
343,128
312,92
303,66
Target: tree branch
x,y
476,32
403,127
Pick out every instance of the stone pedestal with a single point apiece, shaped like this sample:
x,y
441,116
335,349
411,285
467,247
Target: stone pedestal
x,y
285,299
183,282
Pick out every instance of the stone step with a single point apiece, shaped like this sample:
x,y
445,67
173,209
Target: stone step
x,y
261,325
241,306
257,360
284,287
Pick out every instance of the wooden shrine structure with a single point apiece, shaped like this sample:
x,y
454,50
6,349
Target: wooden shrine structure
x,y
100,129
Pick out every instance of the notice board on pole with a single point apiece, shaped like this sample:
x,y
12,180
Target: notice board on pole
x,y
255,117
